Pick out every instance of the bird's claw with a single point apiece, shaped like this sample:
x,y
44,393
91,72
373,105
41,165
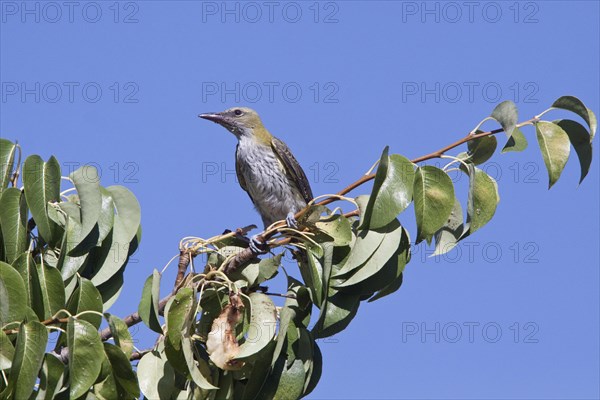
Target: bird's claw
x,y
291,220
257,245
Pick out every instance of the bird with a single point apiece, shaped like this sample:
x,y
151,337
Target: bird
x,y
266,169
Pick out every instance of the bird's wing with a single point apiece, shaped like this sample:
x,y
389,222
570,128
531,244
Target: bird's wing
x,y
240,176
293,168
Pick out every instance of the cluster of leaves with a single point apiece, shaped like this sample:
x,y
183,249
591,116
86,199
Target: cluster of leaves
x,y
216,347
62,257
220,335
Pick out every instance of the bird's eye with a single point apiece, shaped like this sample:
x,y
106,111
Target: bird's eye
x,y
238,112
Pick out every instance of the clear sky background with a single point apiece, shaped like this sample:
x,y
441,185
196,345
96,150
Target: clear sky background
x,y
512,313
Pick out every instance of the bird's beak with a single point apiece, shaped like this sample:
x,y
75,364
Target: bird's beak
x,y
214,117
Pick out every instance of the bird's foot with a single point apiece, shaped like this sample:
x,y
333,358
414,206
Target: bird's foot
x,y
291,220
257,245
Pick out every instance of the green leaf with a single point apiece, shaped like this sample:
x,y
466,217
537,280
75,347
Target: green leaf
x,y
107,215
86,298
200,376
111,290
312,272
392,191
128,211
85,353
580,139
51,377
385,251
337,313
517,142
259,373
481,149
573,104
267,268
394,268
29,355
555,147
450,234
13,305
482,201
434,199
177,316
156,376
13,220
506,114
291,381
120,333
121,369
86,182
263,321
25,266
7,351
366,245
337,227
42,185
52,290
67,264
148,308
7,161
316,372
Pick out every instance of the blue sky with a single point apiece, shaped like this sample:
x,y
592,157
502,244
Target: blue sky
x,y
513,313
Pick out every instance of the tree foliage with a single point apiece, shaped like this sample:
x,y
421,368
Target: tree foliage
x,y
63,251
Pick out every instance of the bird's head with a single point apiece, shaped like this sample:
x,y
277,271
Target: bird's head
x,y
241,121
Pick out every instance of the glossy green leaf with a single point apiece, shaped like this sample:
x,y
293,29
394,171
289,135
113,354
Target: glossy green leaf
x,y
86,298
573,104
111,290
481,149
13,304
156,376
555,146
336,313
267,268
449,235
120,334
434,199
107,215
86,182
13,220
392,191
366,244
128,211
315,374
121,369
258,374
482,200
337,227
387,248
148,308
25,266
392,273
7,351
506,114
29,355
85,352
7,161
51,377
199,375
580,139
517,142
263,321
42,185
52,290
312,274
291,381
70,264
177,316
125,227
